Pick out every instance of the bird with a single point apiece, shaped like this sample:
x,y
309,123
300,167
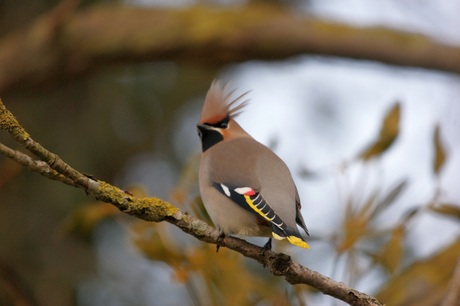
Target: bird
x,y
245,187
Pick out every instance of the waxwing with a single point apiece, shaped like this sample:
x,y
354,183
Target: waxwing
x,y
246,188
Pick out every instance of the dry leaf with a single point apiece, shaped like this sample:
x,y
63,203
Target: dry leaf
x,y
440,154
388,134
392,253
357,222
83,220
424,282
355,228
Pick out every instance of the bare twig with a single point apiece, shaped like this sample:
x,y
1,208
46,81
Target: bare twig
x,y
34,165
154,209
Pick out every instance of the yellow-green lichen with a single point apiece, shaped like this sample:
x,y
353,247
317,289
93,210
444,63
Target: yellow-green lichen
x,y
150,209
9,123
108,193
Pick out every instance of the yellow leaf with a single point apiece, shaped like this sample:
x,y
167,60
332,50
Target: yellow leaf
x,y
424,282
83,220
440,155
355,227
355,223
153,241
388,134
392,253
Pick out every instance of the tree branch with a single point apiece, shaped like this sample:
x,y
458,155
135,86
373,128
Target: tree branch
x,y
153,209
67,42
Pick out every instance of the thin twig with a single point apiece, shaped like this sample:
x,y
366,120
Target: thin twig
x,y
35,165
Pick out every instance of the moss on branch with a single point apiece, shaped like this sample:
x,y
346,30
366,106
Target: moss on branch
x,y
149,209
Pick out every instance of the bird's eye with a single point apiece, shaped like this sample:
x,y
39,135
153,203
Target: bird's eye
x,y
223,124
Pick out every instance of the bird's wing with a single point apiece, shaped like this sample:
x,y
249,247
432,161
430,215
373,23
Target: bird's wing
x,y
298,213
254,202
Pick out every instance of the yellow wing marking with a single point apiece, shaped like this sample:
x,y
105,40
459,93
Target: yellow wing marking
x,y
254,207
292,239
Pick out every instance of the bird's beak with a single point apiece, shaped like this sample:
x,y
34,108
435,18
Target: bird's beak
x,y
202,127
206,128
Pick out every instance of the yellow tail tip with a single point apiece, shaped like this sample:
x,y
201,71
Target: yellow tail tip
x,y
298,242
293,240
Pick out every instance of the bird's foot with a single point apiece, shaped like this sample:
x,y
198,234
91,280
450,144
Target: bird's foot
x,y
219,241
267,246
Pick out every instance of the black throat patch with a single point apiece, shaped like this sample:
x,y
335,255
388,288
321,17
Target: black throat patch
x,y
209,137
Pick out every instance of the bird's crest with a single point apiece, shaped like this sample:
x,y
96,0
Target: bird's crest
x,y
219,104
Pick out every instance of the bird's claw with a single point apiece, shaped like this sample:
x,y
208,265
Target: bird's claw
x,y
219,241
266,247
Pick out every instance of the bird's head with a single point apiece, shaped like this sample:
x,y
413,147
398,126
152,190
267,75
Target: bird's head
x,y
217,117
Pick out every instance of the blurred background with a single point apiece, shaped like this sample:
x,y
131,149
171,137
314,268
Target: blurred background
x,y
374,149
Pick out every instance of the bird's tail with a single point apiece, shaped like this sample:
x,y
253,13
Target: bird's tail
x,y
292,236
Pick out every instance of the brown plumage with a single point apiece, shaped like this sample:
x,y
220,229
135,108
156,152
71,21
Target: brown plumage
x,y
246,188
